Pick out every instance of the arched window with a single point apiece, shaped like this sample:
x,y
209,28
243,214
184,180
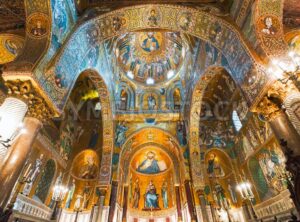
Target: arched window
x,y
123,98
177,99
236,121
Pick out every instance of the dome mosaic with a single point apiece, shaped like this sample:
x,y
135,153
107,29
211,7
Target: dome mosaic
x,y
150,57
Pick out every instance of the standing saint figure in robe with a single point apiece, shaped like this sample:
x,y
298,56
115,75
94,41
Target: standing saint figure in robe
x,y
77,204
151,102
31,174
70,194
164,193
58,183
136,195
87,194
231,189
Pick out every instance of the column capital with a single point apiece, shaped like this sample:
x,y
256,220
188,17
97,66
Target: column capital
x,y
281,90
26,91
101,191
200,192
271,105
268,109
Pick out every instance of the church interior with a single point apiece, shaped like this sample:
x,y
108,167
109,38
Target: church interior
x,y
149,110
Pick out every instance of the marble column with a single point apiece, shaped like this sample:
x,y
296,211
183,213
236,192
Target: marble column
x,y
113,201
190,200
271,106
214,213
100,206
15,159
203,205
272,109
12,113
246,211
290,143
284,130
125,204
178,203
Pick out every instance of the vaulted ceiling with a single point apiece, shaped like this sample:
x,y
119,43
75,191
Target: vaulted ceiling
x,y
12,16
107,5
291,14
12,12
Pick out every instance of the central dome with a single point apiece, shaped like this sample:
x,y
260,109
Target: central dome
x,y
150,57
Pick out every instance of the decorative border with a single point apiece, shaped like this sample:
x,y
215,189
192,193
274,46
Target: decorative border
x,y
214,30
194,124
272,44
108,127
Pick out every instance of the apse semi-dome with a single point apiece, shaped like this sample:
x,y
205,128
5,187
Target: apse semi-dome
x,y
150,57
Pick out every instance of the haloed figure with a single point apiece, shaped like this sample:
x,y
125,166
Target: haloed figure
x,y
70,194
151,197
164,193
136,194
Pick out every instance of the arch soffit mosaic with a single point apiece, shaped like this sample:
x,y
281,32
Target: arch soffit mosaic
x,y
263,9
218,32
131,146
107,121
37,10
272,41
38,39
194,123
40,25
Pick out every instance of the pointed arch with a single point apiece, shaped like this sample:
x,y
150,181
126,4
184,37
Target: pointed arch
x,y
86,42
107,121
130,103
194,121
161,138
170,95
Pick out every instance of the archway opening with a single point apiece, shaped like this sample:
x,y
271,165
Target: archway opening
x,y
150,171
81,145
233,145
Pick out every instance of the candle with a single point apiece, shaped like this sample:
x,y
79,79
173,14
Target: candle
x,y
27,171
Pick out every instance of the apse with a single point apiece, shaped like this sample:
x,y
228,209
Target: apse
x,y
150,173
151,176
149,111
